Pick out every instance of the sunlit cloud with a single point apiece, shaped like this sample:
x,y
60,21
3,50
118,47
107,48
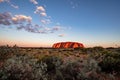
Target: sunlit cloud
x,y
20,18
43,14
1,1
25,22
39,9
34,1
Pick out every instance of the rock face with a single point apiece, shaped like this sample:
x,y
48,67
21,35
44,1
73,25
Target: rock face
x,y
68,45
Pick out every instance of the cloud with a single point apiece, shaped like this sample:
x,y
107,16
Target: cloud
x,y
39,9
9,2
14,6
61,35
39,29
25,22
21,18
20,21
43,14
56,28
34,1
1,1
45,21
5,18
74,3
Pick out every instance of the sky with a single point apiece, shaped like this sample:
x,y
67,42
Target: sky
x,y
41,23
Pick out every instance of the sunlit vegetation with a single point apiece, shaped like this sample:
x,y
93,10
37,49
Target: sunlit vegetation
x,y
97,63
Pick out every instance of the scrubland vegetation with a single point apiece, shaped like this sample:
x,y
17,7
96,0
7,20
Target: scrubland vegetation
x,y
97,63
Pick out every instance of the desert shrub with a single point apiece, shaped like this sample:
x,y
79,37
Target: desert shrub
x,y
52,62
66,54
23,67
99,53
53,66
83,69
88,50
81,50
110,63
80,70
98,48
5,52
118,50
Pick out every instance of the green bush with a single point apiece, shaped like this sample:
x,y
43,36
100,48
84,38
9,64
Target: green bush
x,y
53,62
23,67
110,63
80,70
5,51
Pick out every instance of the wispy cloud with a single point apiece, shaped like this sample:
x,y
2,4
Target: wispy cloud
x,y
25,22
74,3
34,1
9,2
14,6
56,28
45,21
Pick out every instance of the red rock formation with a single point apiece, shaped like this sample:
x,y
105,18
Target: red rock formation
x,y
68,45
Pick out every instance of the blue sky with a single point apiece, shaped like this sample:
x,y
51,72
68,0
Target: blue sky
x,y
41,23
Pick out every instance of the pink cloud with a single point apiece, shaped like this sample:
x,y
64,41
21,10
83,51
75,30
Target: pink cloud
x,y
34,1
21,18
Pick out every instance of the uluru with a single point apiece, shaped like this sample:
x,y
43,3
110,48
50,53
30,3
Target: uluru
x,y
68,45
